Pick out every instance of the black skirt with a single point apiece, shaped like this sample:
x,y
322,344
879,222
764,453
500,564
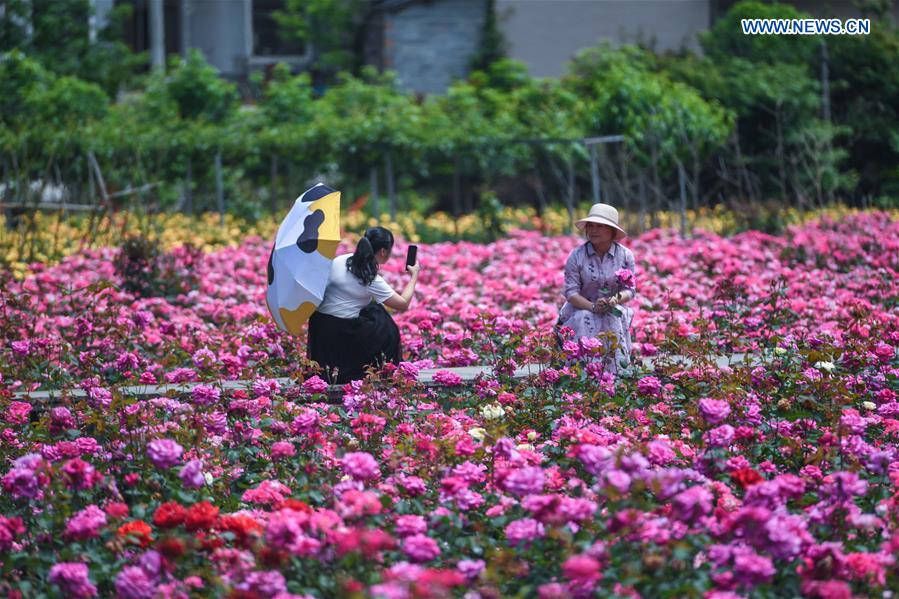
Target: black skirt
x,y
348,345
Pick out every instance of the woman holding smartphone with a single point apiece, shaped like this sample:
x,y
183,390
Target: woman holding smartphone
x,y
350,329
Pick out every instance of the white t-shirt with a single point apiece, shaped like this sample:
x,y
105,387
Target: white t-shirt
x,y
345,295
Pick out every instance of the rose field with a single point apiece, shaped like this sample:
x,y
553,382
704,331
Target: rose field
x,y
775,476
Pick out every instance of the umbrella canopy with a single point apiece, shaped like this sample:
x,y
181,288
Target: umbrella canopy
x,y
300,262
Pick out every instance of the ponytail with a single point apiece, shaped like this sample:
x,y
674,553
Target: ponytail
x,y
362,263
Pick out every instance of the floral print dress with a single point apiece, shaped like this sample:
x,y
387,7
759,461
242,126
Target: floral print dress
x,y
594,277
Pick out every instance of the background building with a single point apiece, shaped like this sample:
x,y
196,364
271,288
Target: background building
x,y
431,42
236,36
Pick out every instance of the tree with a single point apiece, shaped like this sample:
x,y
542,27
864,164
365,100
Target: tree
x,y
865,100
14,25
726,39
38,102
57,34
772,103
493,45
816,161
333,29
774,84
181,121
43,120
198,91
664,121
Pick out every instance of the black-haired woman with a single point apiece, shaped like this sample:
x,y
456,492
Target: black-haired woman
x,y
350,329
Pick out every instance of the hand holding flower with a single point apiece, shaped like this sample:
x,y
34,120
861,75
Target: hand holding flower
x,y
625,278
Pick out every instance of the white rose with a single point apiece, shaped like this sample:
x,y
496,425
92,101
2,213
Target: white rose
x,y
828,366
492,411
477,433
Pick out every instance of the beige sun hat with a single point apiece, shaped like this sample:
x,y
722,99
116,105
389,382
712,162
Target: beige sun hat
x,y
603,214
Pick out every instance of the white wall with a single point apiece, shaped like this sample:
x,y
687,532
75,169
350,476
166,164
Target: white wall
x,y
545,34
431,44
219,29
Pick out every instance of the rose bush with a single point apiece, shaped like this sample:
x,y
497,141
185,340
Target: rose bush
x,y
771,477
50,237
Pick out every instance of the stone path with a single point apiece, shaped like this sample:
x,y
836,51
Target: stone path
x,y
425,376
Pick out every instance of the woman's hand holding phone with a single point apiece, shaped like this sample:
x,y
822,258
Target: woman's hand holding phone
x,y
412,265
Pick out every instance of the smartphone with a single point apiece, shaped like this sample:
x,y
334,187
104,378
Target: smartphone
x,y
411,255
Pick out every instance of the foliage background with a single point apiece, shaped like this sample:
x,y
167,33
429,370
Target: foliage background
x,y
743,120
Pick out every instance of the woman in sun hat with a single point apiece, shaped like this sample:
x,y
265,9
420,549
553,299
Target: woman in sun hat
x,y
599,281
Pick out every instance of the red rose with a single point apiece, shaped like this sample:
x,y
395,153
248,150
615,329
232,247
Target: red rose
x,y
271,558
116,510
296,505
169,515
373,541
171,547
209,542
434,579
346,542
746,477
201,516
241,526
353,586
137,532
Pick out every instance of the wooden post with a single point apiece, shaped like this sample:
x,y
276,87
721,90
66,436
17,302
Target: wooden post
x,y
569,197
104,196
465,187
642,203
375,201
825,83
100,182
457,196
682,183
825,98
541,196
219,187
91,223
91,190
656,181
188,186
457,199
273,186
391,184
626,198
9,225
594,174
290,185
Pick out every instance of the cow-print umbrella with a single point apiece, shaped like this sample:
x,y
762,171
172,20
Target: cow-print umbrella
x,y
300,261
